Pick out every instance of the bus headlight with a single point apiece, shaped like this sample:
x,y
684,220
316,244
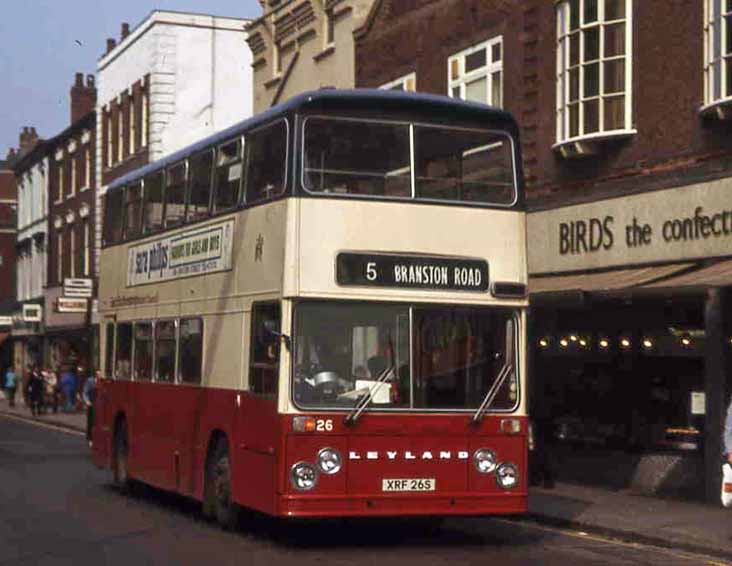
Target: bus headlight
x,y
329,461
507,475
304,476
485,460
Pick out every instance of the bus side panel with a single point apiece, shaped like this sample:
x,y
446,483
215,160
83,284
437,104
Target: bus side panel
x,y
254,475
188,409
217,414
102,430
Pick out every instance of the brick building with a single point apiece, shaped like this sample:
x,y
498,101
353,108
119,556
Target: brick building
x,y
301,45
624,109
69,334
8,227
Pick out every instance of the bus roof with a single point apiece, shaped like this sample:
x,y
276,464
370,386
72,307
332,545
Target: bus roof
x,y
420,104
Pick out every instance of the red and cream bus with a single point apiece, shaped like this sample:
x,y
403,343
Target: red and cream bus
x,y
322,312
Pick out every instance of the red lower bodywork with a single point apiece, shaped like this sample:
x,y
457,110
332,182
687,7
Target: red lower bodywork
x,y
171,427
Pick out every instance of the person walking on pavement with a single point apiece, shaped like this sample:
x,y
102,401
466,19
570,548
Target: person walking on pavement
x,y
68,386
728,434
35,392
89,393
11,381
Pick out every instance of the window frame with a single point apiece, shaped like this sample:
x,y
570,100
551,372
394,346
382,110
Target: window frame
x,y
251,362
403,81
242,155
178,379
486,71
563,66
412,306
155,378
245,173
723,19
168,176
413,197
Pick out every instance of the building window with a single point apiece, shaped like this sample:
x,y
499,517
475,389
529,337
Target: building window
x,y
144,119
328,29
276,59
405,83
717,51
85,251
72,184
60,193
593,68
60,257
109,139
133,126
72,252
87,168
120,133
477,73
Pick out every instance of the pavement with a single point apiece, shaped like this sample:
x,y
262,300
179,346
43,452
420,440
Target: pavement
x,y
671,523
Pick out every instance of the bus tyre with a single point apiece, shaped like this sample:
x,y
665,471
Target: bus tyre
x,y
224,508
119,465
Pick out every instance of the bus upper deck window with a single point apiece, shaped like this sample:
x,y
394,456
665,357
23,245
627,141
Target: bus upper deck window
x,y
227,178
199,172
175,195
113,220
153,210
266,150
464,165
133,211
357,157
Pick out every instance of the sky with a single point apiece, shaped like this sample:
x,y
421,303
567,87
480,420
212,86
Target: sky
x,y
43,43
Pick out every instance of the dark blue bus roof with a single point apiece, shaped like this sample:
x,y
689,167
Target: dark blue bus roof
x,y
424,106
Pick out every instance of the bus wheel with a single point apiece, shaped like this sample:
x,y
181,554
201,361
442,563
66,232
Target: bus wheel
x,y
121,446
225,510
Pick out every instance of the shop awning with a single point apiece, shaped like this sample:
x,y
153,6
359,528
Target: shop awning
x,y
718,274
605,280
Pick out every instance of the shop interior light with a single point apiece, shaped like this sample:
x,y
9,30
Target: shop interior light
x,y
544,342
604,343
573,337
685,340
564,342
583,343
647,343
625,343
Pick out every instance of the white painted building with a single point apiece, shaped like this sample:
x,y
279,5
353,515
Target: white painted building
x,y
32,230
172,80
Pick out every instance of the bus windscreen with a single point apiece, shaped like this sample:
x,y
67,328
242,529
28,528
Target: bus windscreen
x,y
436,358
394,160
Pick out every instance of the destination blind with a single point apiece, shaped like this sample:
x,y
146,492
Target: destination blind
x,y
414,272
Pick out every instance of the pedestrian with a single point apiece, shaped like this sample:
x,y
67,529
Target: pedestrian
x,y
728,434
11,381
51,383
35,392
90,390
68,386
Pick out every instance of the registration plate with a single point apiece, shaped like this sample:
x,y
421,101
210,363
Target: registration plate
x,y
408,484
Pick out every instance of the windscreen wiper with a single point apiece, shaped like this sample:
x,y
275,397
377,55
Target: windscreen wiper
x,y
492,392
352,417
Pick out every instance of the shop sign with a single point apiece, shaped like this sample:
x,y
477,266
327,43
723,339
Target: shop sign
x,y
77,287
65,304
413,272
193,252
6,320
676,224
32,313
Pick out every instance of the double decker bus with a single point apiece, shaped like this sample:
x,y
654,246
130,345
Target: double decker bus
x,y
321,312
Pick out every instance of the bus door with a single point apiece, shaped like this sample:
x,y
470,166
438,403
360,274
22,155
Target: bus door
x,y
258,422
